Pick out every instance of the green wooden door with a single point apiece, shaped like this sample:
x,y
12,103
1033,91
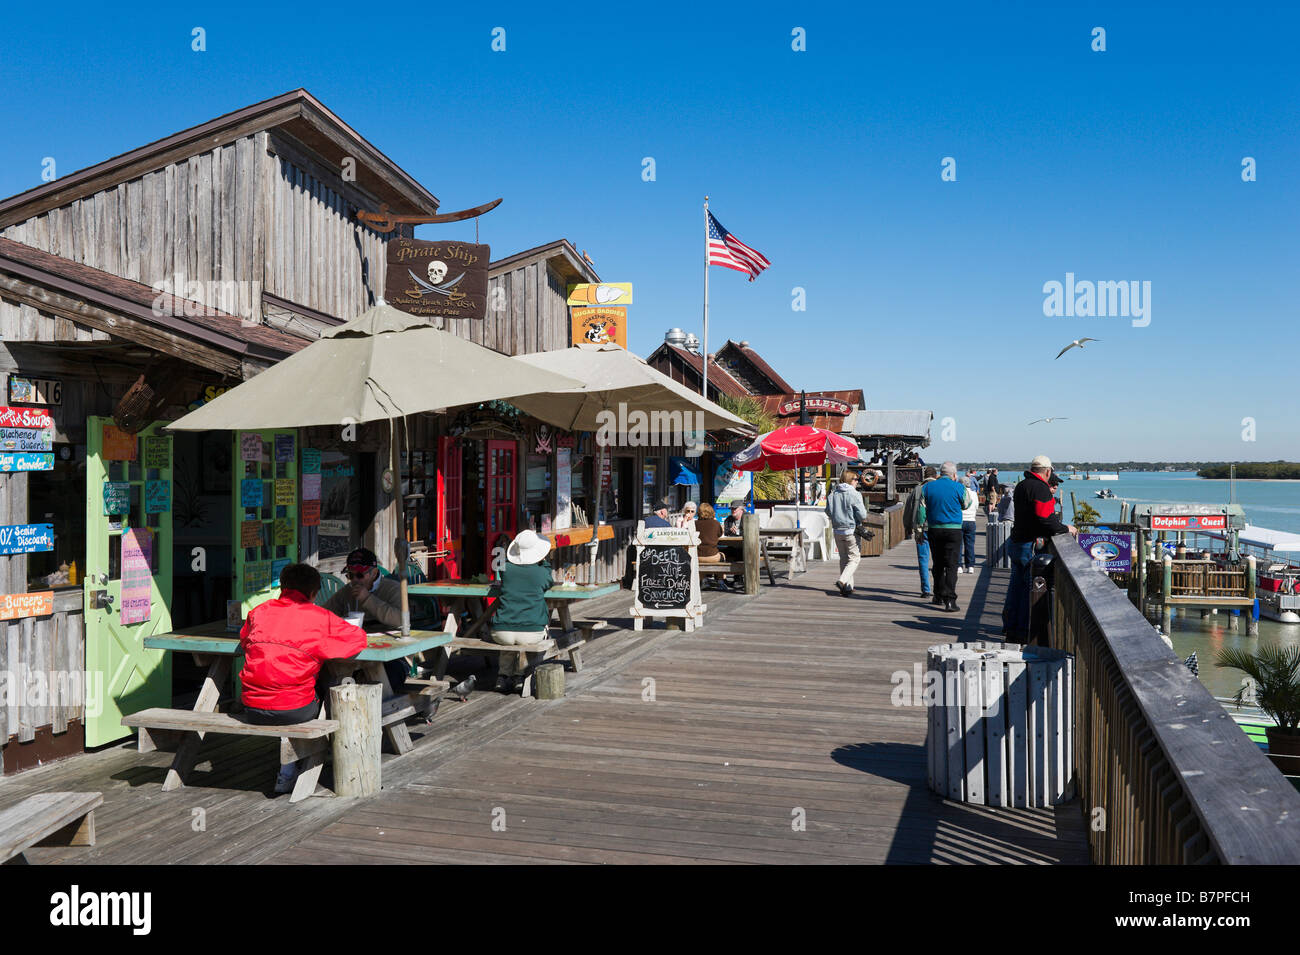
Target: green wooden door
x,y
127,586
265,502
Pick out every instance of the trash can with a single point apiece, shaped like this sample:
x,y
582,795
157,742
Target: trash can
x,y
996,535
1000,728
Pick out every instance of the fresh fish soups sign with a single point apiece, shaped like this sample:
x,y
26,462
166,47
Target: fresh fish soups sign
x,y
438,278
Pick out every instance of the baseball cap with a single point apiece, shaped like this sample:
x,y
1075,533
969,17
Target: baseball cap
x,y
1040,462
362,559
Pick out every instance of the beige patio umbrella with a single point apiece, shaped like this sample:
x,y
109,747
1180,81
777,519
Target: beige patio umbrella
x,y
383,365
617,383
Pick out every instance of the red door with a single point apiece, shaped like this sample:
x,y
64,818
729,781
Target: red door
x,y
448,517
501,503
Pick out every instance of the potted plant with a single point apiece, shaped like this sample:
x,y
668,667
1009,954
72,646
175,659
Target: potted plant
x,y
1274,686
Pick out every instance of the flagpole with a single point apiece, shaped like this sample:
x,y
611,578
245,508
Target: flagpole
x,y
704,388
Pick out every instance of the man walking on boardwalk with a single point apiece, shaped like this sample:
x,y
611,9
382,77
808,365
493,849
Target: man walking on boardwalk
x,y
944,500
1034,506
846,511
914,524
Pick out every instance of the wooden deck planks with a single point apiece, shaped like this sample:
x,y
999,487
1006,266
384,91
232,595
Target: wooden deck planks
x,y
778,710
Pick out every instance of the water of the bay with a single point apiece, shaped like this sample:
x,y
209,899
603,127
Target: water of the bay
x,y
1271,504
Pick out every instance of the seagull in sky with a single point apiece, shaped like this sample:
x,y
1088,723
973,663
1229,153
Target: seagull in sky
x,y
1077,343
1048,420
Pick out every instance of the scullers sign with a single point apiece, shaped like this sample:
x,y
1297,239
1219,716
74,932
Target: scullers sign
x,y
831,406
437,278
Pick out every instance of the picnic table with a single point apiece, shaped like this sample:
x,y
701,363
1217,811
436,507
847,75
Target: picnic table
x,y
470,598
213,646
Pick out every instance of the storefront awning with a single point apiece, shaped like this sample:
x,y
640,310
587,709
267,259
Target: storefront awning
x,y
384,364
615,380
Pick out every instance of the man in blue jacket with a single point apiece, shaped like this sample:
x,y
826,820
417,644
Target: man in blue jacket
x,y
944,501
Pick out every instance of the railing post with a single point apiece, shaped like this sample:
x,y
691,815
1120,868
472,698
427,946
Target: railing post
x,y
749,531
1252,624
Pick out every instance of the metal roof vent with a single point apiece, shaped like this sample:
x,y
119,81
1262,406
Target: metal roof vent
x,y
692,343
675,337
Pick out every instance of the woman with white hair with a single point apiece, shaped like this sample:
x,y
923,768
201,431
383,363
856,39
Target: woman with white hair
x,y
521,616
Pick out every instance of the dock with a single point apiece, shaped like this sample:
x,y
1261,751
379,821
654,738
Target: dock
x,y
770,738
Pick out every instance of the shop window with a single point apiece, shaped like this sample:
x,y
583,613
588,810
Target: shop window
x,y
579,489
345,483
623,494
420,495
58,497
649,485
538,510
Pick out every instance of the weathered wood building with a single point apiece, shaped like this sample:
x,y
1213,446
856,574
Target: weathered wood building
x,y
143,286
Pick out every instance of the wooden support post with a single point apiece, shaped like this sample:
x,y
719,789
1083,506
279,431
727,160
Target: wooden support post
x,y
356,742
550,681
749,531
1252,623
1167,579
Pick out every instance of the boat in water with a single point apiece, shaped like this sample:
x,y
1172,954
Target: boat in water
x,y
1105,494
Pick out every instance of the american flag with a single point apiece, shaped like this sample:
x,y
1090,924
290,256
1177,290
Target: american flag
x,y
726,250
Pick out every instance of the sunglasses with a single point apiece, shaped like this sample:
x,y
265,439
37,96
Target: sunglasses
x,y
357,574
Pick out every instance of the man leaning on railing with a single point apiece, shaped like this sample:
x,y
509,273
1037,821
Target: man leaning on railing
x,y
1035,516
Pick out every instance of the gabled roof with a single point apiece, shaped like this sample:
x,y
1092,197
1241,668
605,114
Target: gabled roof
x,y
561,253
719,377
297,113
209,331
759,364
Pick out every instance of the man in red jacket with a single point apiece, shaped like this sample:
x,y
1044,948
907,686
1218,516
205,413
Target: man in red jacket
x,y
1034,502
285,641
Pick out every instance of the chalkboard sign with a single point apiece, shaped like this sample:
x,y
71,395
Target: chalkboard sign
x,y
667,580
663,577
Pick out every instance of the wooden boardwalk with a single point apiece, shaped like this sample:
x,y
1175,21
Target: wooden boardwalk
x,y
767,737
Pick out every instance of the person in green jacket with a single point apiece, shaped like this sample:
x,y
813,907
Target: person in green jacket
x,y
521,616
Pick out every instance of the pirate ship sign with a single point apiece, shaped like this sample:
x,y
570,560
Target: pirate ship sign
x,y
437,278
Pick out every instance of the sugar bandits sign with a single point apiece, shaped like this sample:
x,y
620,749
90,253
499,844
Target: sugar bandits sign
x,y
437,278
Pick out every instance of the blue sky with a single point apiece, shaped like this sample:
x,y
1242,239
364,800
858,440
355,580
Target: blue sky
x,y
1115,165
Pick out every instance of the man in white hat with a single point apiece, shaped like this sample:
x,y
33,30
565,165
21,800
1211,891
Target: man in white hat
x,y
521,614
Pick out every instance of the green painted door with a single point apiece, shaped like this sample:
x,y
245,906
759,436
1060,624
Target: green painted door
x,y
265,501
127,586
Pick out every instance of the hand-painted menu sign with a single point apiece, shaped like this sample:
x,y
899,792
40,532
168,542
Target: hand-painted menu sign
x,y
157,497
35,391
311,460
25,439
117,497
38,604
118,445
26,462
282,529
284,491
250,447
283,448
437,278
25,418
257,576
137,574
250,492
309,513
250,533
26,538
158,452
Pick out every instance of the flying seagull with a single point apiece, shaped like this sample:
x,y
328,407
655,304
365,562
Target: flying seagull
x,y
1077,343
1048,420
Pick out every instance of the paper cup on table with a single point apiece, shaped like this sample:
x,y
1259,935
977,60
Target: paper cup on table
x,y
357,618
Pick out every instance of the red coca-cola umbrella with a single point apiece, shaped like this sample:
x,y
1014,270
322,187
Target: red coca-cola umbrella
x,y
795,446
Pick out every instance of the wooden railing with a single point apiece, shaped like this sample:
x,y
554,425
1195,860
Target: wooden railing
x,y
1164,774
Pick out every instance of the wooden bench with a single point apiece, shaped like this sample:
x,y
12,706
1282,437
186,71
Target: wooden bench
x,y
167,729
736,569
47,819
531,654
